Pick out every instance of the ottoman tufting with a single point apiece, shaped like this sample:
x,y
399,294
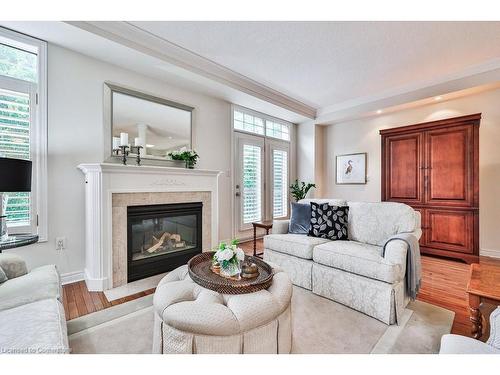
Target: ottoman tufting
x,y
192,319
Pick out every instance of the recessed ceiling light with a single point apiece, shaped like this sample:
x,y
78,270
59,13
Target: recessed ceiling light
x,y
170,137
439,97
379,111
150,145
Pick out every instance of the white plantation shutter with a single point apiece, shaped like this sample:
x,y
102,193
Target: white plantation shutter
x,y
15,123
280,183
251,183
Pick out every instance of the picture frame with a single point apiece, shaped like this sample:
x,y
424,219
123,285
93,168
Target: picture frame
x,y
351,169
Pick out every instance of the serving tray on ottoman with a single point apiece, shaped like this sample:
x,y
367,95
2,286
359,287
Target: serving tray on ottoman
x,y
201,274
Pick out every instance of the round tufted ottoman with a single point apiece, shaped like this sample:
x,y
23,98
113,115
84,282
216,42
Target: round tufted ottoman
x,y
193,319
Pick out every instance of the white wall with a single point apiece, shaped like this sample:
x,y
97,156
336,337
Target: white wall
x,y
75,135
363,136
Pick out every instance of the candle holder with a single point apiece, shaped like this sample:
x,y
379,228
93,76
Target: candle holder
x,y
124,154
138,151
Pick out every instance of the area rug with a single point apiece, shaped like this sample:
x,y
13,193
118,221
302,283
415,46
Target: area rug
x,y
319,326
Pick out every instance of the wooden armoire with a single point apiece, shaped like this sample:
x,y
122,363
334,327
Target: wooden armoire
x,y
434,167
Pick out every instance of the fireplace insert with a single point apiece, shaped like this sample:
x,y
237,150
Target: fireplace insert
x,y
162,237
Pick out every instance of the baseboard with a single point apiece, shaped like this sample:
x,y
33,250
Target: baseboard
x,y
489,253
95,285
72,277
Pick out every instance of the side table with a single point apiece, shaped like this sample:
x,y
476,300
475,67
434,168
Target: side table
x,y
260,224
483,287
18,240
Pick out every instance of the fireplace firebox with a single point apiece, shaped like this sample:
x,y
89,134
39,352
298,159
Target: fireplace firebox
x,y
162,237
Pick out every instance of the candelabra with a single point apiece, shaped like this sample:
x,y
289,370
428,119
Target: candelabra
x,y
138,151
125,153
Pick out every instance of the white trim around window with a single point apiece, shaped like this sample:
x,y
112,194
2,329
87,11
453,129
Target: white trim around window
x,y
38,130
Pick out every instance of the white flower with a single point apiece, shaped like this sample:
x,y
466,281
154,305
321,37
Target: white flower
x,y
183,149
225,254
240,254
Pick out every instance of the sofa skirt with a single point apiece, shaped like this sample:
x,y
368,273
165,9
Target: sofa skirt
x,y
375,298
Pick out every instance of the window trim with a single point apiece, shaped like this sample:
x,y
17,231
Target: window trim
x,y
39,131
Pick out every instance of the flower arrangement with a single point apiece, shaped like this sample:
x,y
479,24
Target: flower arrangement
x,y
189,156
228,258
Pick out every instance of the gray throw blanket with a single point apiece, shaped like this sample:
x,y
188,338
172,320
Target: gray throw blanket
x,y
413,264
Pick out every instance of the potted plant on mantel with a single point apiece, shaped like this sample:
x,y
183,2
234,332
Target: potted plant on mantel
x,y
190,157
299,191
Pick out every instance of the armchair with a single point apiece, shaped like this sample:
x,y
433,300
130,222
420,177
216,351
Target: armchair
x,y
456,344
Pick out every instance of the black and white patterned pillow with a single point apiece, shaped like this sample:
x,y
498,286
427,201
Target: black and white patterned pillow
x,y
329,221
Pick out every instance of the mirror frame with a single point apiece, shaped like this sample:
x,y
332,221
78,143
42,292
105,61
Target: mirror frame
x,y
109,89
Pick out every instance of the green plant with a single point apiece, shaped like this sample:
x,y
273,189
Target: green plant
x,y
300,190
189,156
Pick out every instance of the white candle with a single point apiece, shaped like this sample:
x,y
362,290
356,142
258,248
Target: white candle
x,y
137,141
116,143
124,139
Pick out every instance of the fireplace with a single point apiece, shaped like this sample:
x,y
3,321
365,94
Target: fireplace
x,y
162,237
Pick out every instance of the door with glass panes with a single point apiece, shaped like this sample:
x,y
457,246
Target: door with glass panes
x,y
261,170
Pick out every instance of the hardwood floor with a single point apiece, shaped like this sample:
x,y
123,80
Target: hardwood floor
x,y
444,284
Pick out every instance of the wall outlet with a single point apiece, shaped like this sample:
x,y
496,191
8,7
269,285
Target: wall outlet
x,y
60,243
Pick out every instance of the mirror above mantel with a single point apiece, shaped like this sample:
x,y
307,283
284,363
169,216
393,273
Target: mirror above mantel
x,y
135,118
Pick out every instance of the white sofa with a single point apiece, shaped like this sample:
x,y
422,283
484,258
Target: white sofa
x,y
32,319
354,272
456,344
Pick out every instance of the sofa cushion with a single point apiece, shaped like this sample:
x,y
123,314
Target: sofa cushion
x,y
34,328
374,223
359,258
300,218
298,245
13,265
329,221
41,283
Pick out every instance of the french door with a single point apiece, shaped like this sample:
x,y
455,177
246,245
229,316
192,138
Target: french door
x,y
262,170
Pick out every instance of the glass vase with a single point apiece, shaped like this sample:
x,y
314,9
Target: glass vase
x,y
232,269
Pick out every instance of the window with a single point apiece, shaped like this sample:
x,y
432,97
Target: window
x,y
277,130
252,174
280,183
261,167
23,129
248,123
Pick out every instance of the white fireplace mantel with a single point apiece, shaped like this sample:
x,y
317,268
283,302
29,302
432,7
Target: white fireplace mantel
x,y
102,180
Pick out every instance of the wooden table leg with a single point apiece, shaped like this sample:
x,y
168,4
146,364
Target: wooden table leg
x,y
475,316
254,240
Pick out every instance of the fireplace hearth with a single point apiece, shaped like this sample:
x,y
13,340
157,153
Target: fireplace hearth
x,y
162,237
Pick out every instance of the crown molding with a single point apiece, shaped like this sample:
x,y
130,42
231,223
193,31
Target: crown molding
x,y
477,79
133,37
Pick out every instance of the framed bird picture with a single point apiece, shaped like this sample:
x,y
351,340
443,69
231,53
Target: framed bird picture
x,y
351,169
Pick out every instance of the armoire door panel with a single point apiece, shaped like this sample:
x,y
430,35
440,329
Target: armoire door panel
x,y
403,178
448,155
450,230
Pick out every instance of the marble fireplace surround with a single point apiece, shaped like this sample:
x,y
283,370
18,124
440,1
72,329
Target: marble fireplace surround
x,y
120,202
110,188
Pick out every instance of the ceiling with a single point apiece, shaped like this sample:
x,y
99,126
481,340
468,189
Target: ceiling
x,y
327,63
297,71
